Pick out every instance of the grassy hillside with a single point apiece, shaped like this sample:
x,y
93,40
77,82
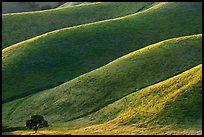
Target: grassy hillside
x,y
173,106
54,58
94,90
19,27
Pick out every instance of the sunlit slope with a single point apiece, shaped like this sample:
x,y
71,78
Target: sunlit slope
x,y
173,106
96,89
54,58
19,27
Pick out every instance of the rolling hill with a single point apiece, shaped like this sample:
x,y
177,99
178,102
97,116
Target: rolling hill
x,y
51,59
22,26
175,104
94,90
104,68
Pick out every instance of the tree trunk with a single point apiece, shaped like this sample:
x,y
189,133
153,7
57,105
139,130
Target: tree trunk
x,y
35,129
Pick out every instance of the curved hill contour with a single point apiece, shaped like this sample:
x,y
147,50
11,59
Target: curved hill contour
x,y
94,90
53,58
22,26
173,106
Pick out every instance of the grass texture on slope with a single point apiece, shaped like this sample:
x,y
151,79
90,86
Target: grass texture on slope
x,y
22,26
96,89
54,58
173,106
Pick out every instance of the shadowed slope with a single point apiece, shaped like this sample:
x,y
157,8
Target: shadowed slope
x,y
94,90
54,58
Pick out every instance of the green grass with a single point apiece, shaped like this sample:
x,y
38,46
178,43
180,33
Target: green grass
x,y
175,102
173,106
95,90
54,58
137,74
22,26
7,133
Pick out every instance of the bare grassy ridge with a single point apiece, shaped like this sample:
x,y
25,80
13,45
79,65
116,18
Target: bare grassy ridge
x,y
54,58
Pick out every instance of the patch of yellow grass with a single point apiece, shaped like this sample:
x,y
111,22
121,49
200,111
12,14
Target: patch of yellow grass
x,y
41,132
154,100
111,129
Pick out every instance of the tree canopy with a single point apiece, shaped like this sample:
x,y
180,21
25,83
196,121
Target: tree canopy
x,y
36,121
